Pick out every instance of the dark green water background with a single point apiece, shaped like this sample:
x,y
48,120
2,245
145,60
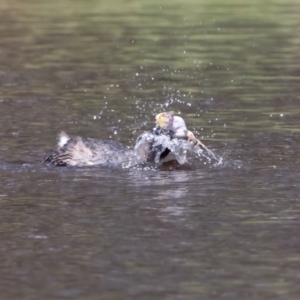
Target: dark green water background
x,y
103,69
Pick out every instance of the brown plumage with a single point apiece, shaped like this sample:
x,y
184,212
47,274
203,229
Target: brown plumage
x,y
78,151
86,152
169,141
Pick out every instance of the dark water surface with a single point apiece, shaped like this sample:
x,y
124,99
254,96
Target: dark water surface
x,y
104,69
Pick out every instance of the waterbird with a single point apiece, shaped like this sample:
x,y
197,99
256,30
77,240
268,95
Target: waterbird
x,y
176,127
168,141
153,146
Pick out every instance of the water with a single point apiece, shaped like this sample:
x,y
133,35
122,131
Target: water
x,y
104,70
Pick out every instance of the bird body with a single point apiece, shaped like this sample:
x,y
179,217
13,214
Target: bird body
x,y
80,152
169,141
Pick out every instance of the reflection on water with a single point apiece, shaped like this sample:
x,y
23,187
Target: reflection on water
x,y
104,70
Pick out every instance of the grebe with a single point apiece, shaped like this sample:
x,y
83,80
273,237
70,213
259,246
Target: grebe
x,y
165,143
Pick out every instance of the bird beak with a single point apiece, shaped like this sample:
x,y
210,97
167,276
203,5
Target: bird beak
x,y
165,120
191,136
